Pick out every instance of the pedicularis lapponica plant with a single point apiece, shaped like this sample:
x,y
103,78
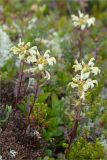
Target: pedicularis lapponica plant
x,y
83,79
36,67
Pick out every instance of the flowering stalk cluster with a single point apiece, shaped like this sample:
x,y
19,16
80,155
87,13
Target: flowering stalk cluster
x,y
82,82
83,79
32,57
82,21
32,62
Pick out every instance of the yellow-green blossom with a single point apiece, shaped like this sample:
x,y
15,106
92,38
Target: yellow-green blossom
x,y
41,63
33,58
83,79
86,69
24,50
41,60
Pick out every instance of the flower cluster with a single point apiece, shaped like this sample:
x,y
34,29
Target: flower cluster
x,y
33,58
40,62
23,50
82,21
82,79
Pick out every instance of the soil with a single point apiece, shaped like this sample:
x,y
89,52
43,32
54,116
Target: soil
x,y
13,137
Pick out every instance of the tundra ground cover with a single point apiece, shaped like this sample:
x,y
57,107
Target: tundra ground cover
x,y
53,75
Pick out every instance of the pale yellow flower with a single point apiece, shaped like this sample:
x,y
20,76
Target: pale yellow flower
x,y
47,75
89,84
73,85
77,66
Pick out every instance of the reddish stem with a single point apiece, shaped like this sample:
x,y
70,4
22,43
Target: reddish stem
x,y
20,81
31,107
73,132
80,46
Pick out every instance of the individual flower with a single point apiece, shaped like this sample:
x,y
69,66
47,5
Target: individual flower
x,y
73,85
82,21
47,75
91,63
84,75
77,66
95,70
89,84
